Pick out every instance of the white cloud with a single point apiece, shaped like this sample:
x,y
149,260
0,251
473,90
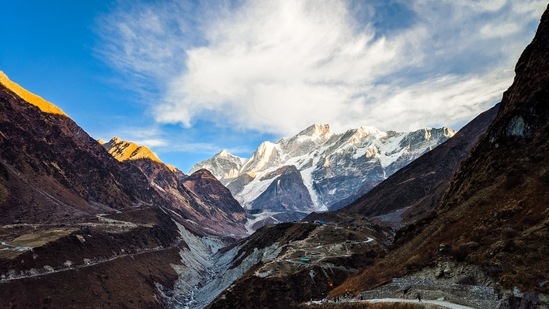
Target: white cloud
x,y
278,66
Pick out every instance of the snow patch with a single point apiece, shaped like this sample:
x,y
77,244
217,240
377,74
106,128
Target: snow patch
x,y
253,219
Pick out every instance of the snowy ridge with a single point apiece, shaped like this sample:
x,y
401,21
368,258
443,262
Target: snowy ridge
x,y
266,155
333,166
224,166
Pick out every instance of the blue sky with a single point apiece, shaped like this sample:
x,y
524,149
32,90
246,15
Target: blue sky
x,y
189,78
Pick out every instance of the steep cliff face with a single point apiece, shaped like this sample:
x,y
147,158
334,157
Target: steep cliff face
x,y
286,193
494,213
218,209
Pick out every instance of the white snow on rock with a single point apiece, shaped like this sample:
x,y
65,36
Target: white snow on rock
x,y
333,166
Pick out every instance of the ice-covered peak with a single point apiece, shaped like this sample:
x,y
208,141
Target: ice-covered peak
x,y
227,155
223,165
224,154
332,165
365,131
368,130
265,156
435,133
448,132
266,147
317,131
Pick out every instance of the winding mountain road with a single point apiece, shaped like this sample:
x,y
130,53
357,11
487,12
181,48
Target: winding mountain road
x,y
441,303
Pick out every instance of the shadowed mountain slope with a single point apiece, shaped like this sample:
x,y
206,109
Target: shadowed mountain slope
x,y
200,198
52,170
415,189
495,212
79,229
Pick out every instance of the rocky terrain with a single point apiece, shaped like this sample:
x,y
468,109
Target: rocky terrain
x,y
80,229
494,213
301,261
198,198
467,222
99,263
318,168
475,235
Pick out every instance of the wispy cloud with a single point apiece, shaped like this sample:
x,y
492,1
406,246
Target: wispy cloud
x,y
167,141
278,66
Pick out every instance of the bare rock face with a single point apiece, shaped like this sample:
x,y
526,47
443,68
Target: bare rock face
x,y
218,209
286,193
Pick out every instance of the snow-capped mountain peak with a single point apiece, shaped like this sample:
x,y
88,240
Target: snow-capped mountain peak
x,y
223,165
317,131
266,156
224,154
329,166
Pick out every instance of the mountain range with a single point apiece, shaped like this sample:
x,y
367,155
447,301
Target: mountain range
x,y
317,168
471,228
88,224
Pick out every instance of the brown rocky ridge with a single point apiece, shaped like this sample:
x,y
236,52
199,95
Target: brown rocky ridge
x,y
309,260
495,212
199,198
79,229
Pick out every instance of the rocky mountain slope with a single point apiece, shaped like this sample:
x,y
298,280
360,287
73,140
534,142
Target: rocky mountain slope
x,y
283,265
412,191
79,229
494,213
199,198
39,185
330,166
483,244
